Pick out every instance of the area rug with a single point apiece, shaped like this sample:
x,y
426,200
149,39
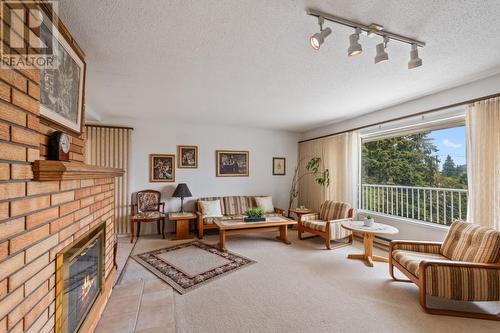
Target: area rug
x,y
190,265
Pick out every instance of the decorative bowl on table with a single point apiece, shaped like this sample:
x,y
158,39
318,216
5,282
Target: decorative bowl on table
x,y
254,215
368,221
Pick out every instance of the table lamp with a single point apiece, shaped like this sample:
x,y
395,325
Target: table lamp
x,y
182,191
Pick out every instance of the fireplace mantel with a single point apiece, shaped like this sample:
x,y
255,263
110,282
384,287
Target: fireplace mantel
x,y
45,170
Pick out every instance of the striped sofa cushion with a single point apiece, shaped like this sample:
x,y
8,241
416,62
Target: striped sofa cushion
x,y
471,242
411,259
237,205
331,210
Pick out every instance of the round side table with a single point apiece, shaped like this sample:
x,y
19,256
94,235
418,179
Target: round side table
x,y
368,235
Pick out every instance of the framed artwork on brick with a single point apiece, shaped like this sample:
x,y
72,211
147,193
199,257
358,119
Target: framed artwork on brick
x,y
162,168
187,157
232,163
62,84
279,166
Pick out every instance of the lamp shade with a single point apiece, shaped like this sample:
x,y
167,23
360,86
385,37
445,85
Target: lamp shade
x,y
182,191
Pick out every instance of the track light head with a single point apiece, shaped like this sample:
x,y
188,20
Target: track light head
x,y
382,56
354,46
319,38
415,61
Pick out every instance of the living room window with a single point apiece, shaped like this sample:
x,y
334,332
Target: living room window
x,y
417,169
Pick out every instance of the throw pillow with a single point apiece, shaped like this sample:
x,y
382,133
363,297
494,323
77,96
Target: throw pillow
x,y
210,208
266,203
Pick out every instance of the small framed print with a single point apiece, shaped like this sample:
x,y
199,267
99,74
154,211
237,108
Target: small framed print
x,y
187,157
231,163
279,166
162,168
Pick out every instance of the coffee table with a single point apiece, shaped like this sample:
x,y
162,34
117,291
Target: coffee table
x,y
368,235
239,227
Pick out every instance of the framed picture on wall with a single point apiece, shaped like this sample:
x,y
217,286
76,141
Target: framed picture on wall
x,y
161,168
62,84
187,157
279,166
232,163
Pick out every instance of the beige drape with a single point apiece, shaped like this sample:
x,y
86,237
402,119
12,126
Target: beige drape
x,y
110,146
483,162
340,155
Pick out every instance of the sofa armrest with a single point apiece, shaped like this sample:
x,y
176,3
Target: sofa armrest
x,y
310,216
464,281
417,246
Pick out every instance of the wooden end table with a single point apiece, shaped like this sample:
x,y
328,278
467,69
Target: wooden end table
x,y
368,235
181,224
299,212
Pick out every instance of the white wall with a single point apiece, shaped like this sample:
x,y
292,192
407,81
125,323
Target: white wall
x,y
163,137
476,89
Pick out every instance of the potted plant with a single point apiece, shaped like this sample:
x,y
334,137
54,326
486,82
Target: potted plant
x,y
254,215
369,221
315,168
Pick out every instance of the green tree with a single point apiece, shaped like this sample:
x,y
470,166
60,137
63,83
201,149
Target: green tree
x,y
408,160
449,168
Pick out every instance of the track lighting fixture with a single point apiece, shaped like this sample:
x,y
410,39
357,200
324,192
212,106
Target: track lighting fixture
x,y
354,46
415,61
381,54
319,38
371,30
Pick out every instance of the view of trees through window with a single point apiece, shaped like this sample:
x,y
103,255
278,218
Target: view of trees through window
x,y
421,176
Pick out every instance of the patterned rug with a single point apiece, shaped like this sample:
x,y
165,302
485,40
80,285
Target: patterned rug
x,y
190,265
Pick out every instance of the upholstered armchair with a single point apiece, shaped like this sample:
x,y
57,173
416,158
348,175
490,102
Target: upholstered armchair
x,y
465,267
326,224
147,208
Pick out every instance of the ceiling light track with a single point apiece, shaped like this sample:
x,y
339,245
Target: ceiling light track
x,y
369,29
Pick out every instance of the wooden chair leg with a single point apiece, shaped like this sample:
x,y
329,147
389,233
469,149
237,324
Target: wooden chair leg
x,y
351,238
328,236
132,231
158,225
299,232
138,230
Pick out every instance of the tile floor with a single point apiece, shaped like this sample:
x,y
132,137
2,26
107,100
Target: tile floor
x,y
140,302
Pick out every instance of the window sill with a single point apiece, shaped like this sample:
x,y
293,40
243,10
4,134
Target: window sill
x,y
405,220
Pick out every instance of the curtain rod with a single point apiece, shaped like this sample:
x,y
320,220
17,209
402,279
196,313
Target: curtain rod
x,y
109,126
404,117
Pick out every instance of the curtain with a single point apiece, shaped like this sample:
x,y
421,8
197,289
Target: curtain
x,y
483,162
340,155
110,147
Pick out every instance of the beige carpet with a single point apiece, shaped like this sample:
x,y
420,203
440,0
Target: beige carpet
x,y
302,288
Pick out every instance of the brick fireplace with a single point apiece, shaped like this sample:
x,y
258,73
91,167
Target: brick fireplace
x,y
46,208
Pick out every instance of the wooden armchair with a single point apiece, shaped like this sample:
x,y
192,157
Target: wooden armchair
x,y
465,267
147,209
326,224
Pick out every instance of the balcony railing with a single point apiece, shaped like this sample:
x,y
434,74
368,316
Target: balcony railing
x,y
429,204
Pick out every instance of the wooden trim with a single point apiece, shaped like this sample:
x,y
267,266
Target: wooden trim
x,y
404,117
109,126
44,170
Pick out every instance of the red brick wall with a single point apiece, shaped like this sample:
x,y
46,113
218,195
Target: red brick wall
x,y
38,219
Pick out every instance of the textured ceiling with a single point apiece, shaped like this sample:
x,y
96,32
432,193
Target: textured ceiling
x,y
249,63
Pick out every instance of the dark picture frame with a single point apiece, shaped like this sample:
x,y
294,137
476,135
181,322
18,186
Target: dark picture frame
x,y
62,90
162,168
279,166
187,157
232,163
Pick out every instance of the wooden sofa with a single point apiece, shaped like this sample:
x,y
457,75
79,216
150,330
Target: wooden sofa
x,y
232,207
465,267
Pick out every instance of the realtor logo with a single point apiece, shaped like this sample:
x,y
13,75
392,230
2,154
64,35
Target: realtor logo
x,y
27,34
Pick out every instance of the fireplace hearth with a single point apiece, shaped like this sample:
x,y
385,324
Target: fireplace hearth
x,y
79,280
